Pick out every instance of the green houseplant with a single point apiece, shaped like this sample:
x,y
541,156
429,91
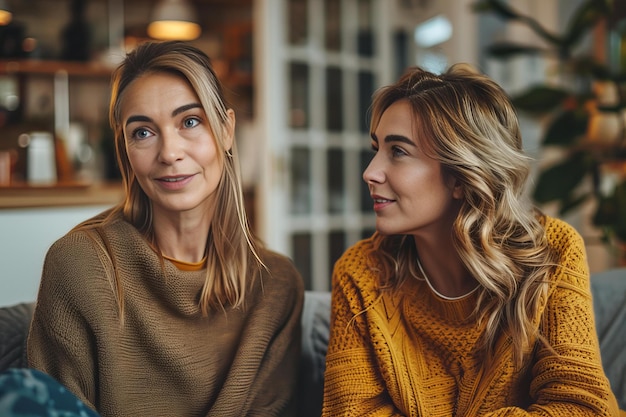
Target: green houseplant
x,y
585,115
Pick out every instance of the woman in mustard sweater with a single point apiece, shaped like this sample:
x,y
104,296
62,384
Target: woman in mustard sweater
x,y
466,301
167,304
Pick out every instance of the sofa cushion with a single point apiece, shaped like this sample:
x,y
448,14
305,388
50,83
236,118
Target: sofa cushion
x,y
315,333
609,304
14,325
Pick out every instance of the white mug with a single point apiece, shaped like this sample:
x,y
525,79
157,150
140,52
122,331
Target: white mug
x,y
41,160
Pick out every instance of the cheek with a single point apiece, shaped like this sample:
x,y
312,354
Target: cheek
x,y
137,160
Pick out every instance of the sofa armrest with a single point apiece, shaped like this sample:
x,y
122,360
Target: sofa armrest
x,y
14,326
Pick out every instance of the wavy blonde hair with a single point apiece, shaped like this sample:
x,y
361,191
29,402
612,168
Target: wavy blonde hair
x,y
231,246
474,132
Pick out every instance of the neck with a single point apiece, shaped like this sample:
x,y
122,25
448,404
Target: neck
x,y
444,270
451,293
182,238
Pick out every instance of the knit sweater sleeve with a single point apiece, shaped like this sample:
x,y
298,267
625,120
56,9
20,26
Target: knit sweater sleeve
x,y
353,384
272,391
568,378
60,341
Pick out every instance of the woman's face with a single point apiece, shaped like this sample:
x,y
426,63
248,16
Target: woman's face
x,y
169,143
410,192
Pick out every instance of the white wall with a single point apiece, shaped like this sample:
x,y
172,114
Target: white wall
x,y
25,236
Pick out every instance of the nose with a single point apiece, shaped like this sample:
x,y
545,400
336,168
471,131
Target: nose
x,y
171,149
374,173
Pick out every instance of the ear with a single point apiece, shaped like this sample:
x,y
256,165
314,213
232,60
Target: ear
x,y
230,130
457,189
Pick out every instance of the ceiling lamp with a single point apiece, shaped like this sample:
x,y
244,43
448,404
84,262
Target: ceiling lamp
x,y
5,13
173,20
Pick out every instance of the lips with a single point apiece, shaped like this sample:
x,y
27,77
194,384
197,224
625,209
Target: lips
x,y
174,179
380,199
174,182
381,202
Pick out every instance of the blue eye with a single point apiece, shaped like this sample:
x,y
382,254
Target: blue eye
x,y
191,122
140,133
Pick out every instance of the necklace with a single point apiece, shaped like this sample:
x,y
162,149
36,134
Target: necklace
x,y
440,295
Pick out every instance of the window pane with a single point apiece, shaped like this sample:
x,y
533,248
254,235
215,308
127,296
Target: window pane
x,y
301,243
299,95
334,99
334,175
297,22
367,205
365,36
300,181
332,24
336,247
365,233
366,89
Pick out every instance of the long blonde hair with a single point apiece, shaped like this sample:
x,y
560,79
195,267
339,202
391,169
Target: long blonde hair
x,y
231,246
473,130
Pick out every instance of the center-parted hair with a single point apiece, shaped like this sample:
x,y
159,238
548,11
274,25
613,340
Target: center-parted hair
x,y
231,247
467,123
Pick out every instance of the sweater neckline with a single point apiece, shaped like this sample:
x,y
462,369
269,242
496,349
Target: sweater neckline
x,y
437,293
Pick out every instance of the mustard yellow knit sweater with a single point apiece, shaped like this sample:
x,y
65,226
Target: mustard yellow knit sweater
x,y
414,354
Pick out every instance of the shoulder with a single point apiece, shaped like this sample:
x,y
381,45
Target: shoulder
x,y
76,265
87,236
281,269
358,258
569,247
561,234
565,240
358,268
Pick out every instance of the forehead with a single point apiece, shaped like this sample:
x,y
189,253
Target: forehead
x,y
156,90
398,118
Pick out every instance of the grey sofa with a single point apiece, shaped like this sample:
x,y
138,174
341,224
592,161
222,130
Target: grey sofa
x,y
609,292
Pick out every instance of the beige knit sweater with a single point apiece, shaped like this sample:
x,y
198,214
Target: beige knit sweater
x,y
167,360
414,354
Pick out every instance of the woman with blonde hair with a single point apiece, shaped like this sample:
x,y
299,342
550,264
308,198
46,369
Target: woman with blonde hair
x,y
167,304
466,301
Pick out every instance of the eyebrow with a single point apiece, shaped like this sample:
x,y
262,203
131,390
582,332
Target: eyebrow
x,y
175,112
394,138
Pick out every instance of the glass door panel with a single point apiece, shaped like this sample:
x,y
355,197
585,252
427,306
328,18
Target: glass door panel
x,y
300,181
297,22
334,99
332,24
299,95
335,178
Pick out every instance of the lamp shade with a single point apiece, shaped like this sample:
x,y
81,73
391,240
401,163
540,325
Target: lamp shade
x,y
5,13
173,20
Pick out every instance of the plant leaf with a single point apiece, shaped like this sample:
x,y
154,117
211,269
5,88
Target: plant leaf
x,y
570,203
501,9
505,49
566,128
540,99
611,211
558,182
586,16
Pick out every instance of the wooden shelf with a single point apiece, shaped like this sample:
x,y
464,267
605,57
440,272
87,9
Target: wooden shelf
x,y
45,67
23,195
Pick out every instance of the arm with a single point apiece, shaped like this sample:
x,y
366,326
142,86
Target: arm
x,y
60,342
278,374
568,378
353,384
